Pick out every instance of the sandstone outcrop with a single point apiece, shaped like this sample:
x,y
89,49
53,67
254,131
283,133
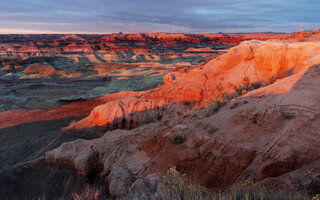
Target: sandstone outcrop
x,y
249,113
268,135
10,118
264,139
44,70
123,113
248,66
252,62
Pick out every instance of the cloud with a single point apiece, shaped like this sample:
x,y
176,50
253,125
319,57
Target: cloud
x,y
105,16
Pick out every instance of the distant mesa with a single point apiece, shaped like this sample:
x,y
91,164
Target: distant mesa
x,y
72,37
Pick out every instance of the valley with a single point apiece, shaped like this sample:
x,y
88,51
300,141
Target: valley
x,y
122,109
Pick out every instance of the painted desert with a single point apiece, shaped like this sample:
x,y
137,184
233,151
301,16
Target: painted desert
x,y
160,116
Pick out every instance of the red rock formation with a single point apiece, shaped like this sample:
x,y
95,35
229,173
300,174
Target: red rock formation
x,y
269,135
199,49
266,139
73,37
249,63
16,117
44,70
128,113
88,51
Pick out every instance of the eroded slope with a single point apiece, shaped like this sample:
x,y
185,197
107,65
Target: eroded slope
x,y
269,135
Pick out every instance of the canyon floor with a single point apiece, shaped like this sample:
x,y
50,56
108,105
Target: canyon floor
x,y
119,110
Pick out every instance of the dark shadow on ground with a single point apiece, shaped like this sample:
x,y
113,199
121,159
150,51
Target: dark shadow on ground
x,y
24,175
31,140
34,179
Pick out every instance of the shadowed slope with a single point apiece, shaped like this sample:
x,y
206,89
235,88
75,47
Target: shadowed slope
x,y
16,117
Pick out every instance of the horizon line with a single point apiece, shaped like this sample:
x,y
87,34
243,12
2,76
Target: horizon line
x,y
121,32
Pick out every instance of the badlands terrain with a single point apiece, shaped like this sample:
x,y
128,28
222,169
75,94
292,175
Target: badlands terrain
x,y
119,110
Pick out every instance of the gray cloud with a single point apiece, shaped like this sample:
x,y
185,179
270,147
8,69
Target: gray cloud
x,y
159,15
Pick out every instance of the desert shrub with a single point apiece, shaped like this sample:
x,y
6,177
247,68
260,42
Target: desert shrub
x,y
214,107
212,129
245,190
88,193
234,105
317,197
175,188
221,100
257,85
288,116
178,138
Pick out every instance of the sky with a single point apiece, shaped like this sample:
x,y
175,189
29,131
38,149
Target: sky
x,y
110,16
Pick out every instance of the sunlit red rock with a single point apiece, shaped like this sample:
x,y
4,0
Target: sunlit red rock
x,y
15,117
43,70
270,140
247,64
124,113
268,135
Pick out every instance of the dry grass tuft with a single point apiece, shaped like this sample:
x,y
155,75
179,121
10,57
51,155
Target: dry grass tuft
x,y
174,187
88,193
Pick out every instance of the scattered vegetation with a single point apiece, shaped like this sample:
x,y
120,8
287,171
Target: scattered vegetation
x,y
213,108
178,138
234,105
174,187
239,103
210,128
317,197
248,87
166,122
128,136
288,116
88,193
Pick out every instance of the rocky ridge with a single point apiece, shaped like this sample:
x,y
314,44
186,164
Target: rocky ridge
x,y
267,130
249,112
